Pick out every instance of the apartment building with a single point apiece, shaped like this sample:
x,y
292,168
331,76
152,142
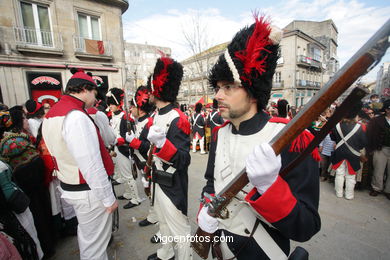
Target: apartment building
x,y
382,86
140,60
41,40
299,73
195,85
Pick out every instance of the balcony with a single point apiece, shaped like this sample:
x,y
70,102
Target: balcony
x,y
308,62
278,84
87,48
38,41
308,84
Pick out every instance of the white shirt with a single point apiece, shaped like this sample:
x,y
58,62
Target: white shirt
x,y
34,124
106,131
81,138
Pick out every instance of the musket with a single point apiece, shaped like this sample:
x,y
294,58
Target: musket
x,y
148,168
361,62
130,127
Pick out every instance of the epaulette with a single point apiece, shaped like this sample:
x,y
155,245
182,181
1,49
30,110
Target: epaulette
x,y
363,126
302,142
216,129
183,123
279,120
149,123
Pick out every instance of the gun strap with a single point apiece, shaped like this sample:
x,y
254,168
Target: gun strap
x,y
217,252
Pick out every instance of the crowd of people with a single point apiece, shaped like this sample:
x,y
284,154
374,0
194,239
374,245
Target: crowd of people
x,y
59,164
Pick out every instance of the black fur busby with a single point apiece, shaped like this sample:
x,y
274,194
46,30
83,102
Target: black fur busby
x,y
141,99
166,79
215,103
198,107
283,108
250,59
354,110
115,96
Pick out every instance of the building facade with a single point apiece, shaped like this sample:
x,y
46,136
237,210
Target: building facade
x,y
140,60
326,33
41,40
195,85
382,87
300,71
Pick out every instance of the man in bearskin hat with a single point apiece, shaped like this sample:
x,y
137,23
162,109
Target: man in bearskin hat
x,y
350,138
83,164
140,110
271,209
123,164
198,124
170,135
215,119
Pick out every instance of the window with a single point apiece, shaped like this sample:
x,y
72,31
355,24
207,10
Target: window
x,y
89,27
278,77
36,24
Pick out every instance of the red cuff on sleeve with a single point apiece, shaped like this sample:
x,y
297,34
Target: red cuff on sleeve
x,y
276,203
167,151
135,143
120,141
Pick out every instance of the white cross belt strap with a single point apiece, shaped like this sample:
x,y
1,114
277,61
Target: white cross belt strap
x,y
212,117
262,237
346,138
196,119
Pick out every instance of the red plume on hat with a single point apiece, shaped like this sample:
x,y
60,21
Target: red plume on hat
x,y
254,56
160,79
142,97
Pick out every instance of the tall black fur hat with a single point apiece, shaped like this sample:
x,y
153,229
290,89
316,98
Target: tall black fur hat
x,y
141,99
166,79
115,96
250,59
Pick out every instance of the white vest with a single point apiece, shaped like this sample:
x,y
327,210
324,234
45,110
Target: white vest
x,y
230,156
164,121
116,123
138,129
68,171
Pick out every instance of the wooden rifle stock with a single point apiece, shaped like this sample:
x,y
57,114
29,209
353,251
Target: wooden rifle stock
x,y
148,168
368,56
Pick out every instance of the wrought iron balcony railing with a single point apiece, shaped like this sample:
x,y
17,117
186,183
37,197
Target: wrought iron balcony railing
x,y
39,38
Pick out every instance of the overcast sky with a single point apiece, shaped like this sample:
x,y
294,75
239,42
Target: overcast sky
x,y
162,22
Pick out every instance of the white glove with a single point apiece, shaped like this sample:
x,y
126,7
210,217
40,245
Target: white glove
x,y
206,222
157,136
130,136
262,167
145,183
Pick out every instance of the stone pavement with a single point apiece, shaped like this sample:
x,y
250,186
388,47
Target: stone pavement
x,y
351,229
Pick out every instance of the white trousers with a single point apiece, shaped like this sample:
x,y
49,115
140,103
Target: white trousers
x,y
58,204
123,167
350,181
95,224
26,220
201,143
381,159
173,225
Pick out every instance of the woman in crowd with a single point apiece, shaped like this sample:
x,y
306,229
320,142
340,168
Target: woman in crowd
x,y
17,150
